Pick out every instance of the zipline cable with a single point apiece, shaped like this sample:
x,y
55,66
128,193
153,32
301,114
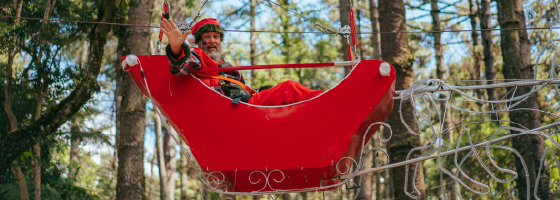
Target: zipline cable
x,y
268,31
198,14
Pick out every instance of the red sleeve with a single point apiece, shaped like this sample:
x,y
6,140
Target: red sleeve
x,y
182,54
185,55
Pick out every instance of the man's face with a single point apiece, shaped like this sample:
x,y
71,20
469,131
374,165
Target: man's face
x,y
213,45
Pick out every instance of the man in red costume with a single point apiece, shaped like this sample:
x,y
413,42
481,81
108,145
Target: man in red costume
x,y
208,35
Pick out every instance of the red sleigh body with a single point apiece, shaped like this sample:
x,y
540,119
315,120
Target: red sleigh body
x,y
269,148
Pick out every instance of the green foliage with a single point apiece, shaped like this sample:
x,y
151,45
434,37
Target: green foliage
x,y
62,189
9,191
7,33
44,65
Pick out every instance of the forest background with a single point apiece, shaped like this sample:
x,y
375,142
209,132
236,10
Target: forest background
x,y
70,113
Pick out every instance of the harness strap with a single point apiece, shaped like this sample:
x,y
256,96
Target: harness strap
x,y
241,98
225,88
230,80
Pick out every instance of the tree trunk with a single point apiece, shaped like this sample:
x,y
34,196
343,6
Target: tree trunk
x,y
74,146
376,179
365,180
16,170
375,183
476,52
396,51
83,55
21,181
122,34
18,11
36,163
8,91
441,69
152,177
345,20
178,12
360,40
375,36
517,65
376,44
440,66
41,75
450,188
253,42
130,176
9,76
170,162
184,169
48,11
380,192
389,188
490,70
436,27
163,184
41,85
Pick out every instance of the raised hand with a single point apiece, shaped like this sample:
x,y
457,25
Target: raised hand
x,y
174,36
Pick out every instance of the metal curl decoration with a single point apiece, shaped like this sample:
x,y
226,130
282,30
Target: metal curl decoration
x,y
347,167
267,177
376,148
215,180
376,157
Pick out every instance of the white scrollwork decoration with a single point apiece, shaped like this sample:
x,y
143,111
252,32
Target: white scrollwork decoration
x,y
267,178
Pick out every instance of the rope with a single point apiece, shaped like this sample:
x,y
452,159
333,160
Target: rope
x,y
269,31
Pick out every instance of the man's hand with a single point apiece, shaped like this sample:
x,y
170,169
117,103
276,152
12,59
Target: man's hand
x,y
174,36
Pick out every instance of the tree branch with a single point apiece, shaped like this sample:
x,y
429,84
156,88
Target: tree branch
x,y
20,140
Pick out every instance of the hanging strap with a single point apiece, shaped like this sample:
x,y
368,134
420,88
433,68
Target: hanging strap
x,y
353,28
353,36
164,14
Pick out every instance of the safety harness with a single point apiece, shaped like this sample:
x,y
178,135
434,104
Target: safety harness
x,y
238,92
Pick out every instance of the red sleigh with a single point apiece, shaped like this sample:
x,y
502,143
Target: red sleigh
x,y
253,148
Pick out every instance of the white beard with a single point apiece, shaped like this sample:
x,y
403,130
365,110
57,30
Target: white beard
x,y
215,55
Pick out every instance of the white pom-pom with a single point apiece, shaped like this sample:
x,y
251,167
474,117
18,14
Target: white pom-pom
x,y
385,69
191,39
131,60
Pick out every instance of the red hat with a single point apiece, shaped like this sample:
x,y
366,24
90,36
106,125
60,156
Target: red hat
x,y
203,26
